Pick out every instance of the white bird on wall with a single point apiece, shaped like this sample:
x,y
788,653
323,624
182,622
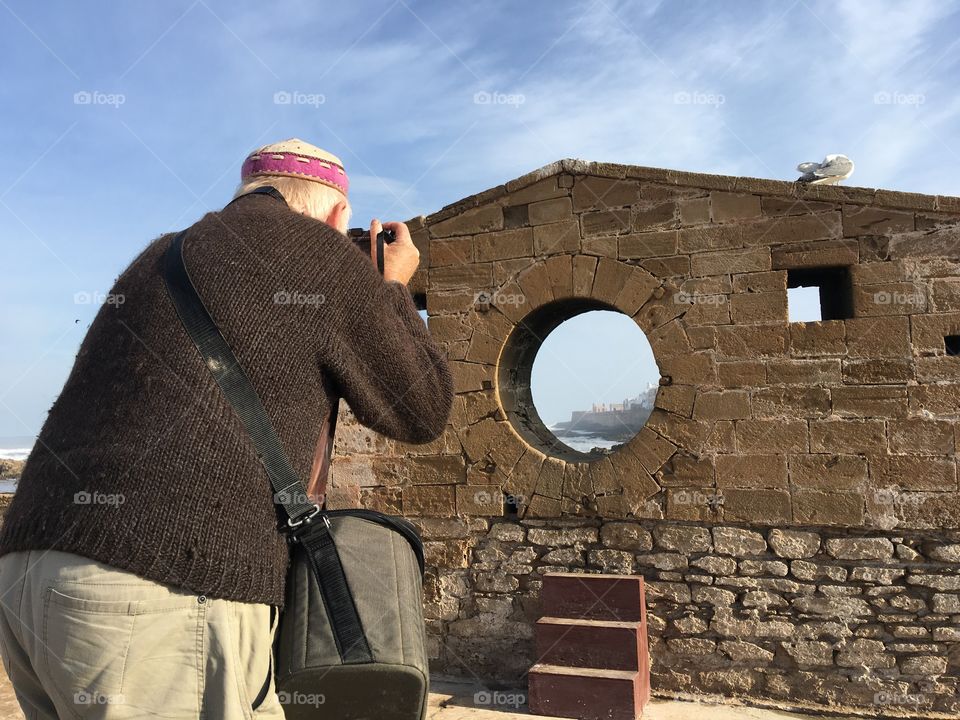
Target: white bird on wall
x,y
831,171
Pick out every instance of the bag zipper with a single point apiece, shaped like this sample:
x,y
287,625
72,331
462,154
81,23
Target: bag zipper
x,y
401,525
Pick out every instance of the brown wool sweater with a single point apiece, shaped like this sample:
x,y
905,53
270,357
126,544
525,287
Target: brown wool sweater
x,y
176,494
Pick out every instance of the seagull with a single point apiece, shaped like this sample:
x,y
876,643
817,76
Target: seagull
x,y
831,171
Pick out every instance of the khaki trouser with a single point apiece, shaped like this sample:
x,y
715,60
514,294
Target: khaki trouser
x,y
81,639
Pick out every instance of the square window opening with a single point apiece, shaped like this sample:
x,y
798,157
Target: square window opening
x,y
823,293
952,345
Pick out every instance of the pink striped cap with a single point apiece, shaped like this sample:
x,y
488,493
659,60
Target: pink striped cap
x,y
296,158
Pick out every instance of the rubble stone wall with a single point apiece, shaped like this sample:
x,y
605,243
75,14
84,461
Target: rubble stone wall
x,y
793,499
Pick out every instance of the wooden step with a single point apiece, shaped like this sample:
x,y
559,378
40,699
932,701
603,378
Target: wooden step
x,y
601,644
584,596
586,693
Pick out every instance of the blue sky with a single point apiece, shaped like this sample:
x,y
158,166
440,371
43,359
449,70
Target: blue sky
x,y
181,90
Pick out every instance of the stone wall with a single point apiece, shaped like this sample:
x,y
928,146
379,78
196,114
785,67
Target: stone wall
x,y
793,499
798,617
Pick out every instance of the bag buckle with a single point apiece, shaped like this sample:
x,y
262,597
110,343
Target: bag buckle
x,y
306,519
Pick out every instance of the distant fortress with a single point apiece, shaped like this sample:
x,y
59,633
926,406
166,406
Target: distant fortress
x,y
611,421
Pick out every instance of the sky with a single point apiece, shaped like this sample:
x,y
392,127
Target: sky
x,y
126,120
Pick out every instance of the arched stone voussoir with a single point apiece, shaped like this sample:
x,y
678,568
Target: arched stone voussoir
x,y
511,301
662,306
647,449
536,286
521,483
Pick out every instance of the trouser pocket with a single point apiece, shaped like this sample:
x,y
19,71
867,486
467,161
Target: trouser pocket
x,y
132,655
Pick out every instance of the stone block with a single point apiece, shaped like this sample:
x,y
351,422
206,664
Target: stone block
x,y
821,253
860,220
791,401
793,544
550,211
604,222
610,279
694,211
647,244
727,262
847,436
772,437
730,206
804,372
592,192
921,436
584,270
859,548
452,251
752,341
725,405
429,500
560,237
738,542
811,507
651,216
747,373
758,307
507,244
875,371
682,539
818,339
751,471
828,472
878,337
470,222
865,401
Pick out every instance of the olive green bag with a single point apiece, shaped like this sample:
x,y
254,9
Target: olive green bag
x,y
350,643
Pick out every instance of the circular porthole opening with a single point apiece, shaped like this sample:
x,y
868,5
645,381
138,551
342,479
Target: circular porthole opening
x,y
577,379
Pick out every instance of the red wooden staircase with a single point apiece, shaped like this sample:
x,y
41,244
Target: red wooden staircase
x,y
591,648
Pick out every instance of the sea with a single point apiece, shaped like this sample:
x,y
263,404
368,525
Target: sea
x,y
15,447
585,441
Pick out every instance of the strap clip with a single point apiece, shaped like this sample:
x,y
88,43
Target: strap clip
x,y
305,520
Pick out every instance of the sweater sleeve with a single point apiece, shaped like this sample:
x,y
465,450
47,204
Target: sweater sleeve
x,y
389,369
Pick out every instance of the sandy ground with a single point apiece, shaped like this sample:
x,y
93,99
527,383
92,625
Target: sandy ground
x,y
453,700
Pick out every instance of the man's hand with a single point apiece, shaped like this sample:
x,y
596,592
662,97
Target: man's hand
x,y
401,257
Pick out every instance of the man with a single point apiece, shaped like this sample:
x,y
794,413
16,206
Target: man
x,y
141,560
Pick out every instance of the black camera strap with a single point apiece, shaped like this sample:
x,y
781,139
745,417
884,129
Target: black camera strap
x,y
288,490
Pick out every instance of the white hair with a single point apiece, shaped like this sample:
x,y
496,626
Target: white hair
x,y
304,196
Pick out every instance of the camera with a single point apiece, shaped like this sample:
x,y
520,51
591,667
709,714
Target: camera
x,y
361,238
